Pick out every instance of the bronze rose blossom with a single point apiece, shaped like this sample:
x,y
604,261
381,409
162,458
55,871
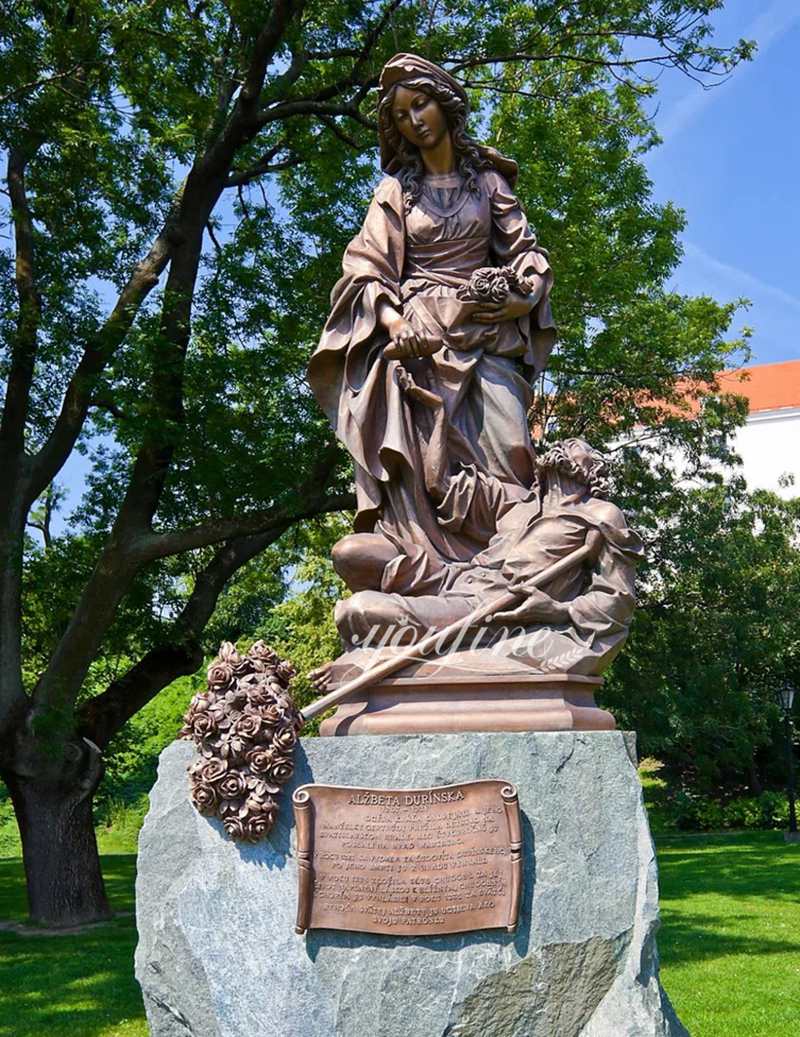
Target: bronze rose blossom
x,y
245,726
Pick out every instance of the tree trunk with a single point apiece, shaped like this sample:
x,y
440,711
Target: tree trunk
x,y
59,849
756,784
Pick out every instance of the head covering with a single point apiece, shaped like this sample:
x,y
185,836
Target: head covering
x,y
403,67
409,66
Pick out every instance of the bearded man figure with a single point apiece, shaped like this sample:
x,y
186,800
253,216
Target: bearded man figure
x,y
576,625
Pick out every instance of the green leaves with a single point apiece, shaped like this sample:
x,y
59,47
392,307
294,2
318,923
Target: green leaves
x,y
123,107
715,634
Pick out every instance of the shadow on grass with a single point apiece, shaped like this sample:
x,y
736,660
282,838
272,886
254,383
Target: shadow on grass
x,y
79,985
695,937
749,865
721,895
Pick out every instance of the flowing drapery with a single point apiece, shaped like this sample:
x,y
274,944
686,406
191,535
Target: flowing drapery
x,y
417,262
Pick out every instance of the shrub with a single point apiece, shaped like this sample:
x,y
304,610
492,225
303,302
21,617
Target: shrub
x,y
680,809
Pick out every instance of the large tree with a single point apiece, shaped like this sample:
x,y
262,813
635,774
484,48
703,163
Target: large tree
x,y
181,177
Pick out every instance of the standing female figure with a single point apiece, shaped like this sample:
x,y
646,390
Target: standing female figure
x,y
404,346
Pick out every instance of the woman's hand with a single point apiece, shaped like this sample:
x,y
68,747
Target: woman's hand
x,y
511,308
403,340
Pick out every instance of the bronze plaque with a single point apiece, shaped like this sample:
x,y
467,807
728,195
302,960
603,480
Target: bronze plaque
x,y
410,862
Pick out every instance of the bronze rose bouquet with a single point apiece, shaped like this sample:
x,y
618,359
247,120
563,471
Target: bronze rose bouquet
x,y
493,284
245,726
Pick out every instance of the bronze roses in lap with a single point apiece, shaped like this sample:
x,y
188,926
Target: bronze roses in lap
x,y
493,284
245,726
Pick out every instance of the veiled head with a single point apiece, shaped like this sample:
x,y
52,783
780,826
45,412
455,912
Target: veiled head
x,y
414,90
413,114
406,74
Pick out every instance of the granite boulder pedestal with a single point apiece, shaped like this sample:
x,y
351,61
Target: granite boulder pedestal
x,y
218,955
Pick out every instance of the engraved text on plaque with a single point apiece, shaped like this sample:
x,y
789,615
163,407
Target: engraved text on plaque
x,y
408,861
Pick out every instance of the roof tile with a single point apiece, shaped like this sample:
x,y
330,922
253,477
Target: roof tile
x,y
766,386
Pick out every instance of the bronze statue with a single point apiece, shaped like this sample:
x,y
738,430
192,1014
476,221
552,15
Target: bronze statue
x,y
424,368
576,626
517,571
444,211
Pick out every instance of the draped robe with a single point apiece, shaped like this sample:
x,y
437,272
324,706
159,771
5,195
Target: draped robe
x,y
419,595
417,262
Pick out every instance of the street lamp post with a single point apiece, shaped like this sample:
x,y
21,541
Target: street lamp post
x,y
786,700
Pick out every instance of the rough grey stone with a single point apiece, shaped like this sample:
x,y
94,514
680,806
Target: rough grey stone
x,y
218,956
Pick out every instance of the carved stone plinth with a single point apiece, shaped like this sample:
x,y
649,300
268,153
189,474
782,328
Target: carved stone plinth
x,y
413,705
218,955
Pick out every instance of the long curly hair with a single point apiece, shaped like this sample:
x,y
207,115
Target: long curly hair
x,y
561,457
469,161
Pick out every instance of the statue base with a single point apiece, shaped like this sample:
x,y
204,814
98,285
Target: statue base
x,y
448,697
411,705
218,954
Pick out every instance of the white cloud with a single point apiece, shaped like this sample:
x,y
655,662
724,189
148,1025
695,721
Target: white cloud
x,y
768,27
741,279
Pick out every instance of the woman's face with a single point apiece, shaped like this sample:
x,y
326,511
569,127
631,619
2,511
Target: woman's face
x,y
418,117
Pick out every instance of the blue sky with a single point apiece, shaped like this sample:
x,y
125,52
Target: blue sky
x,y
731,160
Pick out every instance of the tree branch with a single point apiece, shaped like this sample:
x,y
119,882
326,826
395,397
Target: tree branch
x,y
43,523
370,40
130,548
98,352
336,52
275,167
318,100
214,531
312,499
337,131
244,123
311,106
119,562
34,84
200,192
13,510
103,401
179,653
581,59
263,166
130,545
23,351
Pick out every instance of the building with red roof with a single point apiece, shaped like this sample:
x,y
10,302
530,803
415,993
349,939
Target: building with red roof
x,y
769,443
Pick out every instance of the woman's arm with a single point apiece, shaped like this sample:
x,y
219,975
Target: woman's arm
x,y
514,244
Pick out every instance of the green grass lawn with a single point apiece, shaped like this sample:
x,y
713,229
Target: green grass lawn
x,y
729,943
70,986
730,933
